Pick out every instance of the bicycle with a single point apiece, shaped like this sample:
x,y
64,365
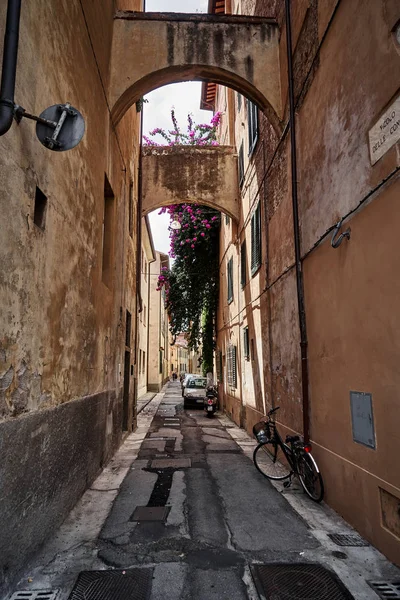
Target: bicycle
x,y
278,460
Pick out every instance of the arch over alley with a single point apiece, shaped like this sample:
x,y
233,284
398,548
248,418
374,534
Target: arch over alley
x,y
206,176
154,49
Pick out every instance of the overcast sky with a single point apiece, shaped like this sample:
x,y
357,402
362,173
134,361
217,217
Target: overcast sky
x,y
184,97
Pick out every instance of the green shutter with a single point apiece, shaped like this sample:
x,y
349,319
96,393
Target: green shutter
x,y
243,264
256,240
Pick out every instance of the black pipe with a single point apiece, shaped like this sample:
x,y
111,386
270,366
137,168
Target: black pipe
x,y
296,229
10,53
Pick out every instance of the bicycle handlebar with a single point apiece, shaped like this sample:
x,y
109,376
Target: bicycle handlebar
x,y
270,412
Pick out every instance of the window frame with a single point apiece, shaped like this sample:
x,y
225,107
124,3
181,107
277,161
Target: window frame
x,y
241,165
256,241
246,343
252,125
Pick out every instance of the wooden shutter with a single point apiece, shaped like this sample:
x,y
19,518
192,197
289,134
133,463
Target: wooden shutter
x,y
256,240
230,280
243,264
252,125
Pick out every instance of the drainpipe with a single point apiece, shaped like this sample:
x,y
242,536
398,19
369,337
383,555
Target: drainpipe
x,y
296,228
10,53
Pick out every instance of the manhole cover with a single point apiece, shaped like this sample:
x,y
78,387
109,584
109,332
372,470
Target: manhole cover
x,y
297,582
35,595
113,585
345,539
386,589
150,513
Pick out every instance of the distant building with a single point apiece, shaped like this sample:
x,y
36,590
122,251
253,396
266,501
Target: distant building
x,y
158,354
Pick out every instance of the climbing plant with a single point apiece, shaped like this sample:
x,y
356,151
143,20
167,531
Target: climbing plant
x,y
191,285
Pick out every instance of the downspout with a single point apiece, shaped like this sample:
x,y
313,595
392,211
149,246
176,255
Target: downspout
x,y
296,229
10,53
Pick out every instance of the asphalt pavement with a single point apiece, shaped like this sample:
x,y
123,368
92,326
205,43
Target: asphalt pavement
x,y
182,503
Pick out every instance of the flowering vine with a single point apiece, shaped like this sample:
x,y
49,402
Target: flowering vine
x,y
191,285
203,134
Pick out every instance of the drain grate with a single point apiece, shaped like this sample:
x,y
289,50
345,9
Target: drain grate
x,y
35,595
345,539
283,581
113,585
386,589
150,513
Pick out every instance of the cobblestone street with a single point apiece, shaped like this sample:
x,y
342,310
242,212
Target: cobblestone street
x,y
182,504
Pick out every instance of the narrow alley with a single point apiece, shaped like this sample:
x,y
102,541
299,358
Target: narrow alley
x,y
181,513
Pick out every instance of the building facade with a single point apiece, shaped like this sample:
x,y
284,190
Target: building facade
x,y
68,276
158,355
148,256
347,105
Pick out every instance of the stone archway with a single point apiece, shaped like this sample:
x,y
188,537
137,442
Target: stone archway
x,y
206,176
154,49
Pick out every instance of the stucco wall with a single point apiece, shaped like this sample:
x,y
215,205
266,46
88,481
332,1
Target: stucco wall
x,y
343,81
62,328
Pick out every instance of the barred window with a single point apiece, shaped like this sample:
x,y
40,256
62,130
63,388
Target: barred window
x,y
246,345
230,280
252,125
243,269
231,366
256,240
241,165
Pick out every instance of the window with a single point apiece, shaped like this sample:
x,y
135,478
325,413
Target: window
x,y
161,361
144,362
108,234
230,280
246,346
145,270
231,364
128,329
252,355
130,208
39,215
256,239
241,165
239,101
140,361
227,219
252,125
243,269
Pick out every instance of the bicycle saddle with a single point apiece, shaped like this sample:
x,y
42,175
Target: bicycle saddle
x,y
292,438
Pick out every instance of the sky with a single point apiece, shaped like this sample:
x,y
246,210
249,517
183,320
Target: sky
x,y
184,97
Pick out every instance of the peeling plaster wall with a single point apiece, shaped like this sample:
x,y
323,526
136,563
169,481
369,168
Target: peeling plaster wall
x,y
343,81
62,330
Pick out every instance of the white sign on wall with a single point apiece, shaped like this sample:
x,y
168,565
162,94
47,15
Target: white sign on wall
x,y
386,132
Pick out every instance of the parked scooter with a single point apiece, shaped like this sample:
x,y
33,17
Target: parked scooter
x,y
210,401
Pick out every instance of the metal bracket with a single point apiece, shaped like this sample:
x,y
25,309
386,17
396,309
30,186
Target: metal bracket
x,y
50,142
335,242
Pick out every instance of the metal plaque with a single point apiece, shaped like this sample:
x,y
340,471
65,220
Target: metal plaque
x,y
362,418
386,132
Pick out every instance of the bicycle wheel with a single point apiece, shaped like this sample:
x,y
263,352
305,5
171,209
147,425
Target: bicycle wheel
x,y
271,461
310,477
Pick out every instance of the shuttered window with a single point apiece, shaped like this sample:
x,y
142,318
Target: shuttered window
x,y
230,280
252,125
241,165
231,366
243,269
256,240
246,345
